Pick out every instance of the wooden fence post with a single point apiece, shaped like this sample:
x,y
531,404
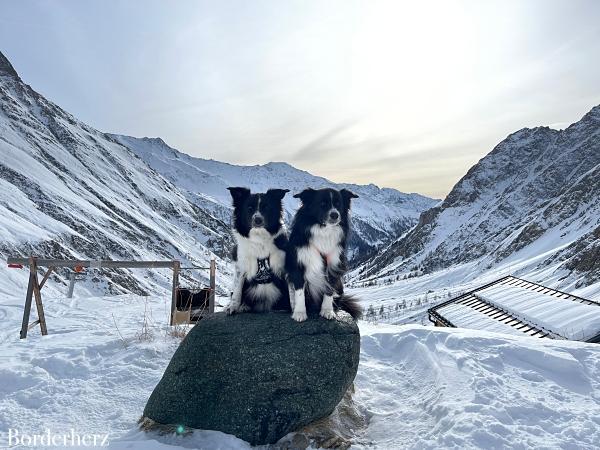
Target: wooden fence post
x,y
38,300
176,267
213,285
28,297
71,285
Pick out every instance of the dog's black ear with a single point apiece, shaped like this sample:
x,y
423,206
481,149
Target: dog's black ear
x,y
305,195
277,193
238,194
347,195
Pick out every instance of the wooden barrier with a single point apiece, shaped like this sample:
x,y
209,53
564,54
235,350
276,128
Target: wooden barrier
x,y
35,286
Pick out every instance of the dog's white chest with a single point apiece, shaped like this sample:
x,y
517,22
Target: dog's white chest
x,y
324,245
327,240
258,246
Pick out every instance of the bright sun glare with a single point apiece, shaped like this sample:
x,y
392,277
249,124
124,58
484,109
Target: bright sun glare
x,y
404,54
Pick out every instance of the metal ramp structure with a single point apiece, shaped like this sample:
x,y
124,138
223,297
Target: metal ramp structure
x,y
512,305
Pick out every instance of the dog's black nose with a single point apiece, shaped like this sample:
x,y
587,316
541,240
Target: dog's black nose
x,y
334,215
258,220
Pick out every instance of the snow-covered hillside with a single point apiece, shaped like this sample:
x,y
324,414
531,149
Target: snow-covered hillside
x,y
378,215
532,204
419,387
70,191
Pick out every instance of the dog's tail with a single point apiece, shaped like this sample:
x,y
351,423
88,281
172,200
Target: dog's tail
x,y
350,304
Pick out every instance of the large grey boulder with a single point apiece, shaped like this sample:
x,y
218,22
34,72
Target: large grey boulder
x,y
257,376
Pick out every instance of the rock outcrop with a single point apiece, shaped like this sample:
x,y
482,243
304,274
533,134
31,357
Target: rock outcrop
x,y
257,376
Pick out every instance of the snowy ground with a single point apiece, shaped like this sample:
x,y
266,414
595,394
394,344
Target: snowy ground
x,y
453,388
422,387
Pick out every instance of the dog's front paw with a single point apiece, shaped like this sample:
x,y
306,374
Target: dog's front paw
x,y
235,308
327,313
299,316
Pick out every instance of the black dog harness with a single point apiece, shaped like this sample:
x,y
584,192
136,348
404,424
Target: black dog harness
x,y
264,274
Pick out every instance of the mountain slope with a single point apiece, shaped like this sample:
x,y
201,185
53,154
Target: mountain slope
x,y
379,215
533,201
70,191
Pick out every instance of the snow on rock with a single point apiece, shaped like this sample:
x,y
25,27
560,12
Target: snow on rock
x,y
69,191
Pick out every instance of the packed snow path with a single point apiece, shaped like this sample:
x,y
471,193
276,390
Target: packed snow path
x,y
421,387
444,387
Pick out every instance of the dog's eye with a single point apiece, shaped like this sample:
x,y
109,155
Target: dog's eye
x,y
336,204
323,205
250,209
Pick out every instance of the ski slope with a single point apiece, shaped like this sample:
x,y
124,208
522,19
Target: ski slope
x,y
421,387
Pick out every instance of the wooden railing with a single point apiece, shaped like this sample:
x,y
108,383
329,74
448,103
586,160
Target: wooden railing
x,y
35,286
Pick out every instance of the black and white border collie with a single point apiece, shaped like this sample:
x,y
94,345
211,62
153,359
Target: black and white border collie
x,y
259,254
315,258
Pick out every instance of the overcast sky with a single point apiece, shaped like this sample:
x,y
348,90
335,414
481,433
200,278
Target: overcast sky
x,y
402,94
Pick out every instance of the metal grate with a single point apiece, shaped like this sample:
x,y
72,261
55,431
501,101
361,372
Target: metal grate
x,y
495,312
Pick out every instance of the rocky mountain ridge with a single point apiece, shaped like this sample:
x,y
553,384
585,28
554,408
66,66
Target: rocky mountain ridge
x,y
533,201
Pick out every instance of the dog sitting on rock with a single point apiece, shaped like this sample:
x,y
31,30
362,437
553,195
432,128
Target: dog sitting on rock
x,y
259,254
315,258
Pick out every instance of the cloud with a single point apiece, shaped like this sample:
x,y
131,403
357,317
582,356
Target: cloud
x,y
379,92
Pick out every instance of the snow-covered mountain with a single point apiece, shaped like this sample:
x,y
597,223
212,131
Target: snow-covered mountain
x,y
70,191
379,215
532,204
